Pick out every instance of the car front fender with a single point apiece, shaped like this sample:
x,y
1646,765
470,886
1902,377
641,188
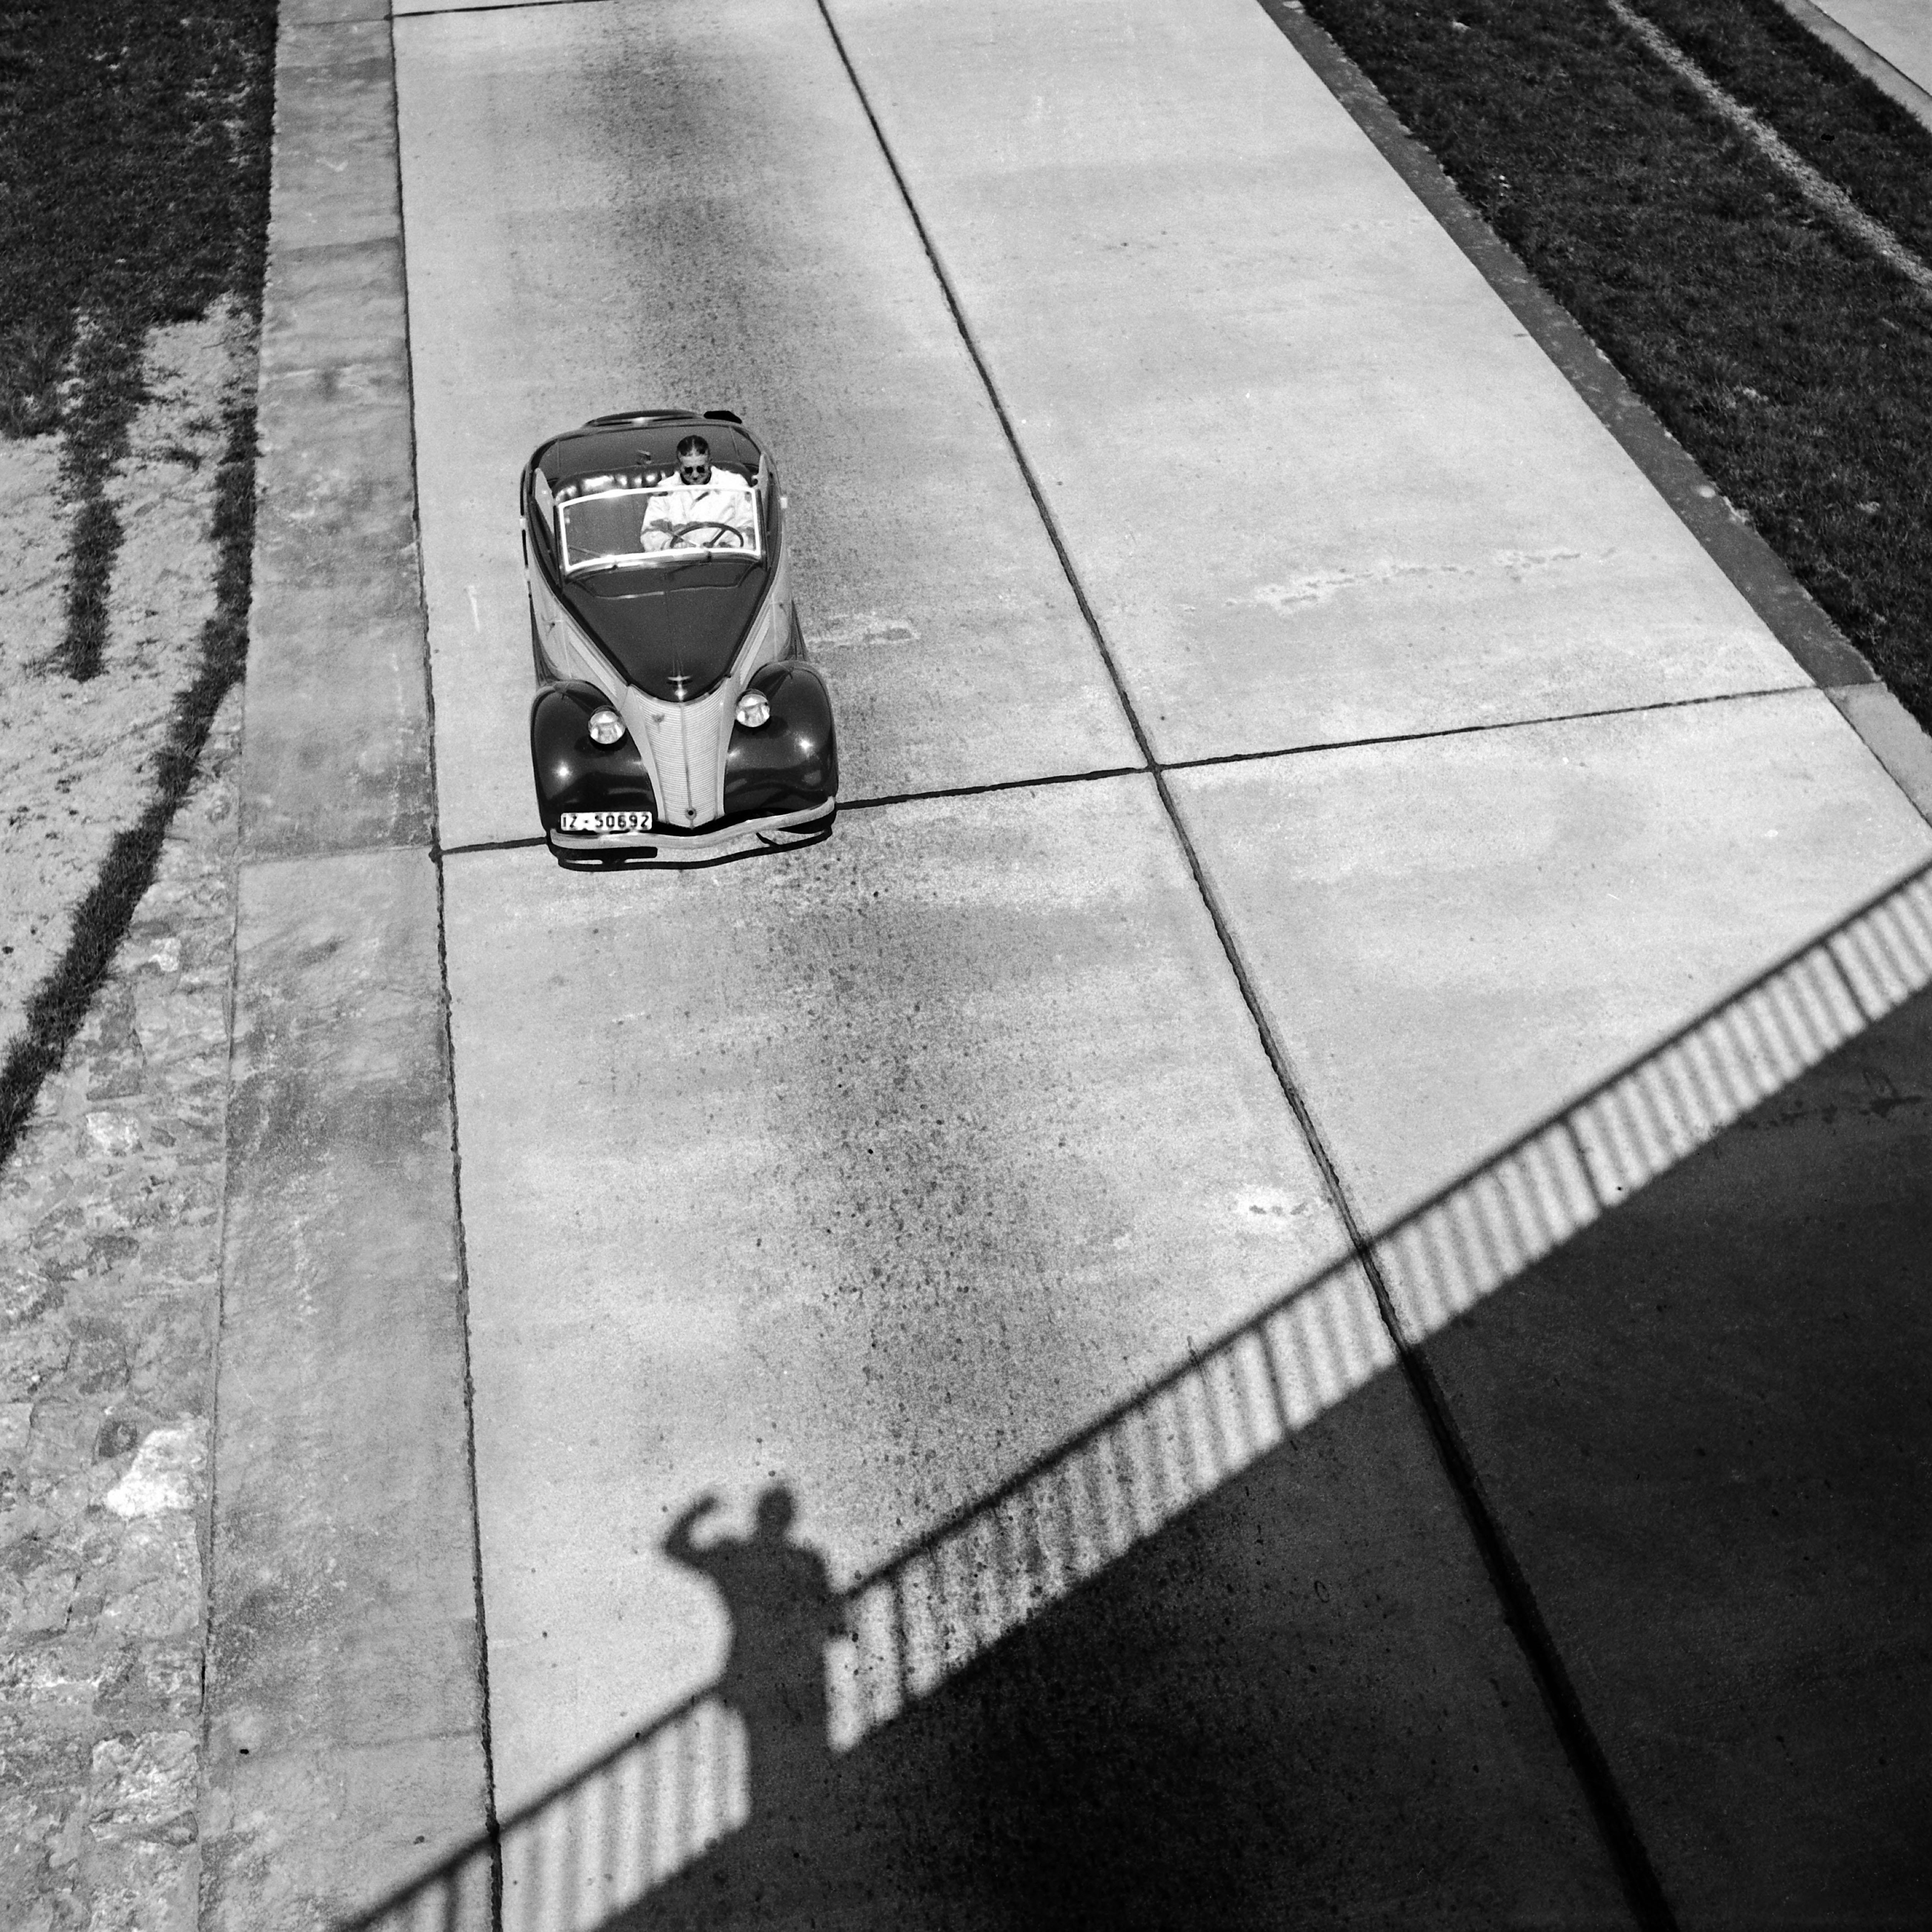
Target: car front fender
x,y
573,771
790,762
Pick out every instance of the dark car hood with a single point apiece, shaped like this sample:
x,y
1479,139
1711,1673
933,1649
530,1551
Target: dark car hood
x,y
676,642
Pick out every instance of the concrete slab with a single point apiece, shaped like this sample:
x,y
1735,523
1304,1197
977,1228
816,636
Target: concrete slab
x,y
1894,737
337,704
345,1739
408,7
643,248
1702,1424
1899,32
337,718
1452,938
879,1171
329,12
1293,1705
1320,484
335,130
344,1693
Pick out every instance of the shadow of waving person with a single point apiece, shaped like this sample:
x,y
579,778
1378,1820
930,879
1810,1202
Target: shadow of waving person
x,y
1701,1422
784,1611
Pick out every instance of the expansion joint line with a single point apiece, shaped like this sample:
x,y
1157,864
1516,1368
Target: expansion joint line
x,y
1826,197
1608,1807
486,1743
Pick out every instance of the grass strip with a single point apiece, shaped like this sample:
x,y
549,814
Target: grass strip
x,y
134,148
1845,126
1826,196
134,154
1795,367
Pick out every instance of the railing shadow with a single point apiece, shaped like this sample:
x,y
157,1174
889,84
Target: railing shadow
x,y
589,1849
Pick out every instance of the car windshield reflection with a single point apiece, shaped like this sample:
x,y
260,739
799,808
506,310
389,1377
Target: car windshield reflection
x,y
622,521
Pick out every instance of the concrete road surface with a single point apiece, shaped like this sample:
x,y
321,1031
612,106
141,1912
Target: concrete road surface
x,y
1897,31
881,1169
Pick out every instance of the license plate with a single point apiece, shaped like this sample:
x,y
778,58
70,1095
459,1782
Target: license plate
x,y
605,821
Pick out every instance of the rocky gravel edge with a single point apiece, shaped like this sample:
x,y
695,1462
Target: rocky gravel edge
x,y
110,1227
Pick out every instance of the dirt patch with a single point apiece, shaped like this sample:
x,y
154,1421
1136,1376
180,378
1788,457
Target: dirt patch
x,y
79,757
33,565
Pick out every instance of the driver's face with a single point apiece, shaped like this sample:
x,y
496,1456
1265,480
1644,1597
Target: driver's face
x,y
694,468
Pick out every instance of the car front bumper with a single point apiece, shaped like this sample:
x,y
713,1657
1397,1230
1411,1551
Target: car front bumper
x,y
667,845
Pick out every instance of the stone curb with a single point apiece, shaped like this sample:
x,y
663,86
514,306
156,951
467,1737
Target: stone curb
x,y
1889,730
1874,66
344,1743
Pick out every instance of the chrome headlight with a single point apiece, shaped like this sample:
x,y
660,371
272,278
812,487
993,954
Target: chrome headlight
x,y
754,709
606,727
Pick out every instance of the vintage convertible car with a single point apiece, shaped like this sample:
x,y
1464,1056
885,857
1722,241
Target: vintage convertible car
x,y
675,713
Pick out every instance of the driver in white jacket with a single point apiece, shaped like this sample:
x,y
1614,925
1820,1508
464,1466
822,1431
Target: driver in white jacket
x,y
718,499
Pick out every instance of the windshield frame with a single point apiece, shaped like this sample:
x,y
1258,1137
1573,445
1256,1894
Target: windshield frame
x,y
602,489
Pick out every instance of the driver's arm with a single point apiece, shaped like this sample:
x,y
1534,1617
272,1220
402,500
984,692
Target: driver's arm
x,y
661,518
735,501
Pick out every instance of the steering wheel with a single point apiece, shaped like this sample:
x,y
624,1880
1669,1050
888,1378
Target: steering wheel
x,y
731,530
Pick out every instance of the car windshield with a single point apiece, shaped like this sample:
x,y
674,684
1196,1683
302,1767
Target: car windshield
x,y
611,521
